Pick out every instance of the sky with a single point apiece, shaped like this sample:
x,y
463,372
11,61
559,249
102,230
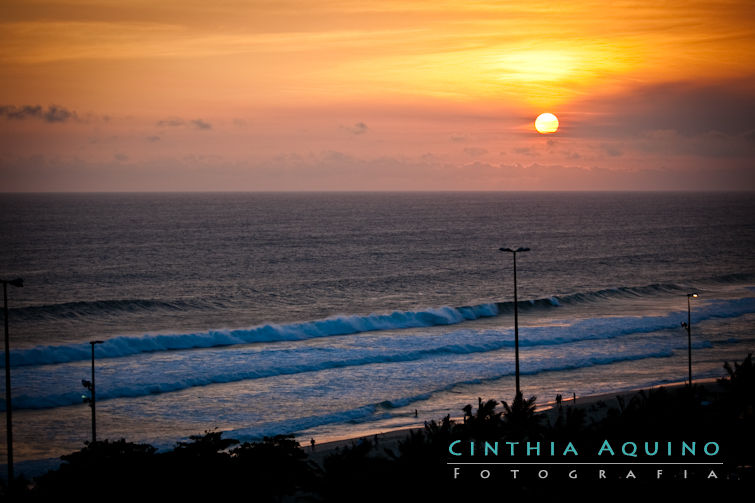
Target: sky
x,y
279,95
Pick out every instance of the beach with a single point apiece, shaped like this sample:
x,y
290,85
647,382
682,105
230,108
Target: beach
x,y
594,406
672,440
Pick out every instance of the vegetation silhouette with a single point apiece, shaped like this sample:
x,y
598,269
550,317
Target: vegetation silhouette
x,y
103,467
520,419
199,468
276,467
358,473
740,384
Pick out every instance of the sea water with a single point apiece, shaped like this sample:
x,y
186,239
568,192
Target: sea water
x,y
328,315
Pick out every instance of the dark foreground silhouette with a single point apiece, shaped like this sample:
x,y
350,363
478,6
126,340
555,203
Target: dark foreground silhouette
x,y
422,468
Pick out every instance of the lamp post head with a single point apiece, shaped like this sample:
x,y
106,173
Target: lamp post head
x,y
514,251
95,342
693,295
18,282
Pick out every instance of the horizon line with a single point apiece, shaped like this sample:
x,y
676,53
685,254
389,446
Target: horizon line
x,y
392,191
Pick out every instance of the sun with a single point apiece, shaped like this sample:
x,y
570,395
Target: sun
x,y
546,123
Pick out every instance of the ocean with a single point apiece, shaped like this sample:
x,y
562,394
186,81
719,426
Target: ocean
x,y
330,315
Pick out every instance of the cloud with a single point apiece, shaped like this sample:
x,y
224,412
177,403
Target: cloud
x,y
52,114
611,150
526,151
58,114
153,139
689,109
178,122
711,144
335,156
200,124
357,129
171,123
475,151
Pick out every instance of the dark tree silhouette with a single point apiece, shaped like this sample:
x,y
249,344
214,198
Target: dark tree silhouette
x,y
274,468
104,467
520,419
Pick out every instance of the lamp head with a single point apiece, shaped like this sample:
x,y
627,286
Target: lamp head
x,y
18,282
693,295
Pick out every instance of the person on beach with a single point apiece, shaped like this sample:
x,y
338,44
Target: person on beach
x,y
312,443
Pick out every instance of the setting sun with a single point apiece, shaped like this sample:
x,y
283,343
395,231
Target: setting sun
x,y
546,123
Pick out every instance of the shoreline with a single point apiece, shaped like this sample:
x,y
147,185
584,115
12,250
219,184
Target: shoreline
x,y
389,439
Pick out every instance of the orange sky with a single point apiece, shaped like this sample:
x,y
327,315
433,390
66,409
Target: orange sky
x,y
389,95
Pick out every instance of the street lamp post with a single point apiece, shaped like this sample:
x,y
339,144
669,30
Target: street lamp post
x,y
688,326
92,399
18,283
516,316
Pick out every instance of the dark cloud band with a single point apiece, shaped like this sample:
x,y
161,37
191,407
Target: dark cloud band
x,y
51,114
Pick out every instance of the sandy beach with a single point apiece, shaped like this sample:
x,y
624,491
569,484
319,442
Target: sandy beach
x,y
594,406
